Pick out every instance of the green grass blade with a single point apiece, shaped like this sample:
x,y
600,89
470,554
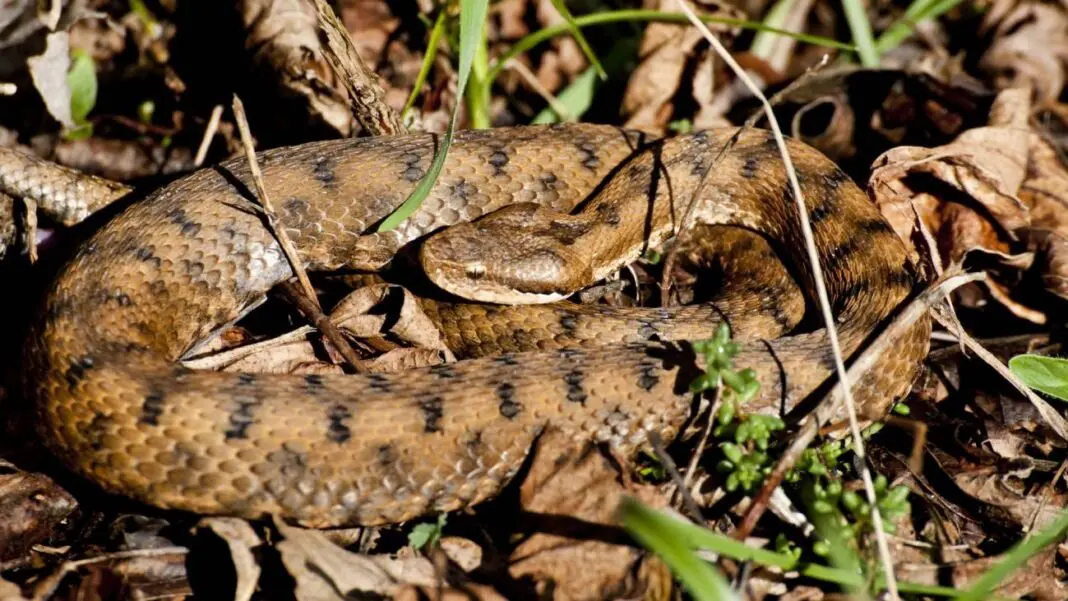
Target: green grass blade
x,y
1045,374
763,40
1016,557
857,17
576,98
428,61
702,581
576,33
696,537
472,22
917,12
639,15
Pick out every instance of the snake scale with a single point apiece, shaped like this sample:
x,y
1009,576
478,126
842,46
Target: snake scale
x,y
115,405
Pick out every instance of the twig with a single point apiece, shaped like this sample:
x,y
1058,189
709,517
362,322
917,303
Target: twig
x,y
821,293
1052,416
786,462
268,209
673,471
532,81
314,314
209,133
29,219
366,95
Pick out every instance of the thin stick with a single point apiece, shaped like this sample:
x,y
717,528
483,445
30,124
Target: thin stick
x,y
209,133
821,292
314,314
1052,416
532,81
279,233
673,472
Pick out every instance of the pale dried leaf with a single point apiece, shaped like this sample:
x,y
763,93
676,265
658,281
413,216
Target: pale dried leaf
x,y
665,52
323,571
240,538
49,73
573,483
359,315
462,551
402,359
285,354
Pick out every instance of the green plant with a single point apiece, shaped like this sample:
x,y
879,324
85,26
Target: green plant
x,y
1044,374
427,534
81,80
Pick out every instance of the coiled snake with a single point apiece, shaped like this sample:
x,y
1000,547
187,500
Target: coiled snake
x,y
115,406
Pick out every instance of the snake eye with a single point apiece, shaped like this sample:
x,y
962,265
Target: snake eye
x,y
475,271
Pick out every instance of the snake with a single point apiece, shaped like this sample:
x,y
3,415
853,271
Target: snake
x,y
518,219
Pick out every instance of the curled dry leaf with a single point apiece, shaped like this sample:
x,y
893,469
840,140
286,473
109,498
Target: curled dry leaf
x,y
1030,48
1045,192
985,165
666,51
368,311
240,539
570,496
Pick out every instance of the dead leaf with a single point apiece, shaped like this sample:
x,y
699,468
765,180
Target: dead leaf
x,y
49,73
1030,48
665,53
33,505
367,312
323,571
240,538
571,494
986,165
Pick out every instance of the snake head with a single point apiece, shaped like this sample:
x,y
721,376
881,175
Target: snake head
x,y
520,254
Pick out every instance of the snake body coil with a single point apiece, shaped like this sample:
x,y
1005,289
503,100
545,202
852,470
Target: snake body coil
x,y
115,406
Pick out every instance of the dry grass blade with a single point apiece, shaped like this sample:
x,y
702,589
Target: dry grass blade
x,y
209,134
1052,416
265,202
821,291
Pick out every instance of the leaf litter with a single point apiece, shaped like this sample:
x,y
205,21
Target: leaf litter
x,y
958,136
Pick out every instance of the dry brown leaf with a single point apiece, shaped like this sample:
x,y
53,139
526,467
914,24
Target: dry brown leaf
x,y
1030,48
986,165
665,52
325,572
1045,191
573,490
240,539
359,315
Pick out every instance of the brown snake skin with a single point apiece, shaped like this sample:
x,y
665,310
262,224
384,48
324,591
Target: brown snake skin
x,y
114,405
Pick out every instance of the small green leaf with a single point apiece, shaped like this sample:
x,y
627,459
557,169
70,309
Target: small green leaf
x,y
425,534
81,79
1045,374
